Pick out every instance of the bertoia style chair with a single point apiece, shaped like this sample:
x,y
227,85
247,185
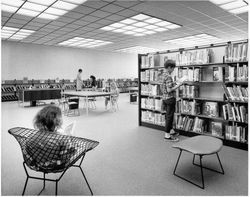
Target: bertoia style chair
x,y
51,152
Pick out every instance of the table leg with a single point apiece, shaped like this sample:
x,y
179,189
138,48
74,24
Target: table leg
x,y
87,105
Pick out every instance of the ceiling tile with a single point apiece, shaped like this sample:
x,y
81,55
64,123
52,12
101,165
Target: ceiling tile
x,y
90,18
6,14
58,23
112,8
126,4
104,22
74,15
95,4
84,10
66,19
115,17
15,25
80,22
100,14
127,13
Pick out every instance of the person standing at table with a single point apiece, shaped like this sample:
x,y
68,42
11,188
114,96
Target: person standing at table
x,y
79,82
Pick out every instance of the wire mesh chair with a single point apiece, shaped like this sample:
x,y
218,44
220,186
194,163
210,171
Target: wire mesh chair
x,y
51,152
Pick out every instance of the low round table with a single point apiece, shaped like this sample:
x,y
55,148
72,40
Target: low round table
x,y
201,146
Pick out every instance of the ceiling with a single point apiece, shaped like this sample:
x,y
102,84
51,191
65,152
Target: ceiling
x,y
195,17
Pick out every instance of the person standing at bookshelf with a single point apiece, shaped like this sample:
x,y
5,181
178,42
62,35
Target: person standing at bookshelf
x,y
79,82
168,88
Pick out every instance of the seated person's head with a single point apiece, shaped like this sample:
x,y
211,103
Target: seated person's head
x,y
48,119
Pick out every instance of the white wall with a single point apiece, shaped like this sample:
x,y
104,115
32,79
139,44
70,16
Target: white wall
x,y
49,62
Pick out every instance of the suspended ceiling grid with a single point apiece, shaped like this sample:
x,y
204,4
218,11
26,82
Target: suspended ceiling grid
x,y
86,20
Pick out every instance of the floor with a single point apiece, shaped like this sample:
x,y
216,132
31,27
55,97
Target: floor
x,y
130,160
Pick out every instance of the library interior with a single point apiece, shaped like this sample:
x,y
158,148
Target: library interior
x,y
124,97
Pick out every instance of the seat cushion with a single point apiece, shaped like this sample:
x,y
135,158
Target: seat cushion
x,y
200,145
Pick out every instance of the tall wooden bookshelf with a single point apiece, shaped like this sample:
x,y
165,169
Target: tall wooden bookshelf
x,y
216,97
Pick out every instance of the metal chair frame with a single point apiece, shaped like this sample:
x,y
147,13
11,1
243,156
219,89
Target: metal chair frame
x,y
202,186
54,180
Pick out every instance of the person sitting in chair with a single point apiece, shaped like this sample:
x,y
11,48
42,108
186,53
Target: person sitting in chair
x,y
49,120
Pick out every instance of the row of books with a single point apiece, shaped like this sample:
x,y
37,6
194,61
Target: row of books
x,y
189,91
189,74
200,56
236,133
195,108
150,61
153,118
151,103
151,90
198,125
236,93
152,75
237,73
188,107
191,124
235,112
236,52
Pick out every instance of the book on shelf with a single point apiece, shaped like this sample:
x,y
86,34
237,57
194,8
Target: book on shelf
x,y
236,52
236,133
235,112
150,61
211,109
200,56
217,74
241,72
199,125
189,91
151,90
153,118
216,128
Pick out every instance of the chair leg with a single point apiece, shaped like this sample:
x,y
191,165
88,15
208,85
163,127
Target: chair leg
x,y
56,186
86,180
43,184
222,170
25,185
202,187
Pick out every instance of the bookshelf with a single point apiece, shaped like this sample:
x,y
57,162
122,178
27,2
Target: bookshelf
x,y
10,88
214,98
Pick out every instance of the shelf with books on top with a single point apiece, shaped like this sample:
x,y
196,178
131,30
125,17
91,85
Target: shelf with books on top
x,y
204,99
203,65
214,93
153,110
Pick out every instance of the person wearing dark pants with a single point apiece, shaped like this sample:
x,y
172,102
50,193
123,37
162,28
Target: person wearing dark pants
x,y
168,88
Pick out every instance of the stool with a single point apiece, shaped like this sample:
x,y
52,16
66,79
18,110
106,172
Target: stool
x,y
200,146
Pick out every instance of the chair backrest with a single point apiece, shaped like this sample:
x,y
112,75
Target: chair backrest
x,y
50,151
69,130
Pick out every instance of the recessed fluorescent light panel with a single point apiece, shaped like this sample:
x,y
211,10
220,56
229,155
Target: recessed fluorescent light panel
x,y
138,49
141,25
15,33
83,42
200,39
46,9
233,6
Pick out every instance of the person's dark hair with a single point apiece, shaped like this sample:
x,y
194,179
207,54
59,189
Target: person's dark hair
x,y
92,77
80,70
169,63
48,119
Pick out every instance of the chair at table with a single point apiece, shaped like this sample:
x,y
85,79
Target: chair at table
x,y
91,103
114,102
73,106
51,152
